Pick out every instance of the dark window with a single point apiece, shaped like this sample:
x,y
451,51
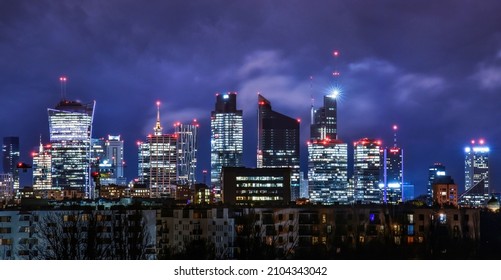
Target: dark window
x,y
421,217
456,217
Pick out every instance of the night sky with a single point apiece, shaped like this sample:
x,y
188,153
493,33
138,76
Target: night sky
x,y
432,67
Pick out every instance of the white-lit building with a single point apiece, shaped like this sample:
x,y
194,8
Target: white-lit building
x,y
476,175
42,166
328,172
393,175
187,147
367,168
70,127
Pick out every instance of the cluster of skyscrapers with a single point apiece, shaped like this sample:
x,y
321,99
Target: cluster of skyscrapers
x,y
74,160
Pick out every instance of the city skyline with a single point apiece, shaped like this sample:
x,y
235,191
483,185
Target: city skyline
x,y
437,79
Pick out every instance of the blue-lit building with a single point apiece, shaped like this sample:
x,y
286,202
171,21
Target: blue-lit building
x,y
393,175
70,128
278,142
476,175
226,137
435,171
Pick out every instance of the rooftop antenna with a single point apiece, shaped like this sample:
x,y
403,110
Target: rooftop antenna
x,y
395,128
62,81
336,74
158,127
312,110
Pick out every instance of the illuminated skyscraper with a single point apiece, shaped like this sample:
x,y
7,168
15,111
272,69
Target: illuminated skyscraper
x,y
187,145
226,137
157,162
392,181
70,127
278,142
434,171
476,174
108,159
10,156
367,167
42,166
328,171
327,156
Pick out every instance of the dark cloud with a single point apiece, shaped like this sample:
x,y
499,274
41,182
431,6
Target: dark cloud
x,y
433,67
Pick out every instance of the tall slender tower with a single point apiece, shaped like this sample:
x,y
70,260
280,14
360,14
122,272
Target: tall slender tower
x,y
476,173
393,173
278,142
70,128
42,165
187,145
10,149
327,155
157,161
226,137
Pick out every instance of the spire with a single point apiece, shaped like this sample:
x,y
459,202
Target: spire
x,y
395,127
158,128
40,148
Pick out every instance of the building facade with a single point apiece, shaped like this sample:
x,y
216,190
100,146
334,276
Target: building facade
x,y
187,147
42,167
10,157
226,137
278,143
393,175
70,127
366,173
476,174
435,171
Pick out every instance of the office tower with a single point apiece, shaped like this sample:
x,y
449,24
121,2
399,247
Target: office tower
x,y
445,191
278,142
108,160
367,167
434,171
303,189
327,156
42,166
10,156
187,146
157,162
226,137
476,174
393,171
70,127
328,171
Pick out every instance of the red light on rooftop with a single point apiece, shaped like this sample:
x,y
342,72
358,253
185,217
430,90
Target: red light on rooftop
x,y
62,79
481,141
336,74
395,127
298,120
472,142
195,120
335,53
261,103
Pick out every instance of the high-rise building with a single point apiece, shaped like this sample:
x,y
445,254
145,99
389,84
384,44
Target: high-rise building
x,y
10,149
392,172
157,162
476,174
108,160
435,171
278,142
6,188
70,127
327,156
328,172
445,191
187,146
226,137
42,166
407,192
367,167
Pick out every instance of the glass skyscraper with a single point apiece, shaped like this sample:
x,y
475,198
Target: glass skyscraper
x,y
108,159
70,127
187,145
327,156
226,137
393,175
366,173
476,174
10,149
278,142
42,166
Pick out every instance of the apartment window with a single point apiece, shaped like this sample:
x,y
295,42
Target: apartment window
x,y
291,228
456,217
5,230
280,217
291,217
324,218
421,217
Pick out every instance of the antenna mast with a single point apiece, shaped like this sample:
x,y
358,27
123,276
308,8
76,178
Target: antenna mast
x,y
62,81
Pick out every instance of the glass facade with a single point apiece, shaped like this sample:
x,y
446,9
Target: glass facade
x,y
366,173
476,175
226,137
187,145
42,166
70,127
10,149
278,143
108,159
328,172
393,175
